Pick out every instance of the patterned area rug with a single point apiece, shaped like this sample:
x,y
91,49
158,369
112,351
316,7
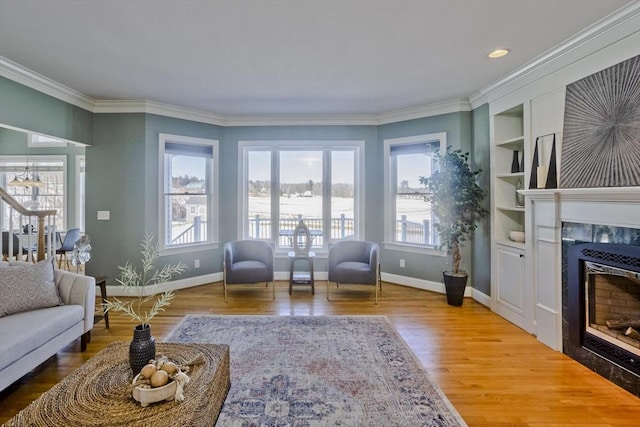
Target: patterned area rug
x,y
304,371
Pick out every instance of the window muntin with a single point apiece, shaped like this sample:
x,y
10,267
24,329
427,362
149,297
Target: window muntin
x,y
409,217
51,171
299,180
188,200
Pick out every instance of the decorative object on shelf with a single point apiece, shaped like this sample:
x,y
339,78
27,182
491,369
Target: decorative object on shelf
x,y
519,196
516,236
301,239
543,167
522,162
81,253
601,128
515,162
457,202
134,283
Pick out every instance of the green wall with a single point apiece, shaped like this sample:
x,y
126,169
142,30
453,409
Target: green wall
x,y
481,244
28,109
122,176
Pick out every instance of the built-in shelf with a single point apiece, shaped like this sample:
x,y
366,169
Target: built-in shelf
x,y
511,143
511,208
508,279
510,175
511,243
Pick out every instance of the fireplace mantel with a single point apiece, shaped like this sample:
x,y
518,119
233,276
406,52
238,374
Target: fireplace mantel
x,y
546,210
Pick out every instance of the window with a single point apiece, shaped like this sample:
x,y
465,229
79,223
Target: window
x,y
409,220
50,170
314,181
188,199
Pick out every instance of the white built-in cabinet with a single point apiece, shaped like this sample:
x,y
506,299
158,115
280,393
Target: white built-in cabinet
x,y
511,297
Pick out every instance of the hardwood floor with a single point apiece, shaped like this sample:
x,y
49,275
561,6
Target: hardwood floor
x,y
494,373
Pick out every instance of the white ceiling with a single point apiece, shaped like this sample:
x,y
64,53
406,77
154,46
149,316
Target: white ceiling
x,y
286,57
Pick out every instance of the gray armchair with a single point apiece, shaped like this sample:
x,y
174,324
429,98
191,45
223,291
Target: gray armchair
x,y
248,261
354,261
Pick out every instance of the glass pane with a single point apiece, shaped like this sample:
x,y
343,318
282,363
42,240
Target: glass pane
x,y
187,174
413,217
187,219
342,194
259,194
300,194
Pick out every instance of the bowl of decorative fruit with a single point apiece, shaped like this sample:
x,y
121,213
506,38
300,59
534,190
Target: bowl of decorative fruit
x,y
155,383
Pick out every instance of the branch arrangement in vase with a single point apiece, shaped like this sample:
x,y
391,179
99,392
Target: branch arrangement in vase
x,y
134,282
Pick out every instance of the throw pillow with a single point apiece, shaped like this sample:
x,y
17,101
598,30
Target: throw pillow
x,y
26,287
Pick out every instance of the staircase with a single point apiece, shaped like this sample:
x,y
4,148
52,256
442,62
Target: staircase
x,y
26,218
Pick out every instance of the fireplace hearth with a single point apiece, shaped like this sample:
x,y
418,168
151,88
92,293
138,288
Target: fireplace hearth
x,y
601,301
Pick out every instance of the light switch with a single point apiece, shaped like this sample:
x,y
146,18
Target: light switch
x,y
104,215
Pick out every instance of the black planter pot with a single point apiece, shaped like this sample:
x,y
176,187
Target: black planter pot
x,y
455,286
142,348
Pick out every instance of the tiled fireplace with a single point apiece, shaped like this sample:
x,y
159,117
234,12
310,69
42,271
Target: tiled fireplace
x,y
601,300
584,266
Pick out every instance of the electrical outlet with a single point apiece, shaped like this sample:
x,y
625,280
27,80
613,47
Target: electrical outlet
x,y
196,263
401,263
104,215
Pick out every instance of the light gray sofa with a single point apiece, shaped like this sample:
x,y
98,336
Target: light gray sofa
x,y
29,338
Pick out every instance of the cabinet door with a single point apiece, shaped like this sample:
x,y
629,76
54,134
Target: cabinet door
x,y
509,300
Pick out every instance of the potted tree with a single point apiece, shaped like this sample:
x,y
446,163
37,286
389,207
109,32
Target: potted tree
x,y
456,200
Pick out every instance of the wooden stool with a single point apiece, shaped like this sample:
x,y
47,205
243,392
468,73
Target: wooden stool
x,y
102,282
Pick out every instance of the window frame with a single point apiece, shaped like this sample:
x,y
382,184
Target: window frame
x,y
390,178
211,184
274,147
31,159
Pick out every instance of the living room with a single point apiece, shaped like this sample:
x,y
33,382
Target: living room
x,y
120,138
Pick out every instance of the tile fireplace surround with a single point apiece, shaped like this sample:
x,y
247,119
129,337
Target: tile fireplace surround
x,y
611,206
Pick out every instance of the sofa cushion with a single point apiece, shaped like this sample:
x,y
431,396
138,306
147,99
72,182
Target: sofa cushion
x,y
23,332
28,287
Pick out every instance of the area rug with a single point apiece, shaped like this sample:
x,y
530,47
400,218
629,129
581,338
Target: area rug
x,y
302,371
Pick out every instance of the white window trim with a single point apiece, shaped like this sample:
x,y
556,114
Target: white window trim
x,y
80,207
271,145
213,215
389,205
36,140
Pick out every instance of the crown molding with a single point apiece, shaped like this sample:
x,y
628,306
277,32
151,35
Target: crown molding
x,y
519,77
152,107
444,107
33,80
627,13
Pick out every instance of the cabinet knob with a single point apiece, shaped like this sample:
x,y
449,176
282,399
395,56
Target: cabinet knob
x,y
521,255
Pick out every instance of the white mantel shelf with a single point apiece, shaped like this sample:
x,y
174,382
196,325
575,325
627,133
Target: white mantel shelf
x,y
549,208
602,194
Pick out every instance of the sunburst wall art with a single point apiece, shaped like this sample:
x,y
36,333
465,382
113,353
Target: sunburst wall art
x,y
601,146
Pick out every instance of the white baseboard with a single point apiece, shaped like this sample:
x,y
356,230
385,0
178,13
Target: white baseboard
x,y
190,282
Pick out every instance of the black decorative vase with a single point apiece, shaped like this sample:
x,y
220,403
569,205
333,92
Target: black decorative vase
x,y
142,348
515,162
455,286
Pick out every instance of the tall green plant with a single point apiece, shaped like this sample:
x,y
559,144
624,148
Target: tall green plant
x,y
456,200
134,282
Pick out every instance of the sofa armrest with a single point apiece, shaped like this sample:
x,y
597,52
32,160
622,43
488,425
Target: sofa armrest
x,y
77,289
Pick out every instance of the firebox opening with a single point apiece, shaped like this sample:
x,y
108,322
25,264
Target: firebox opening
x,y
612,302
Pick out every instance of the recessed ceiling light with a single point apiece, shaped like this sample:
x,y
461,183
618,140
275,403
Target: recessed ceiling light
x,y
498,53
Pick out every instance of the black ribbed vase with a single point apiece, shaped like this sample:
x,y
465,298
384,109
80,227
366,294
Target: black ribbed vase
x,y
142,348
